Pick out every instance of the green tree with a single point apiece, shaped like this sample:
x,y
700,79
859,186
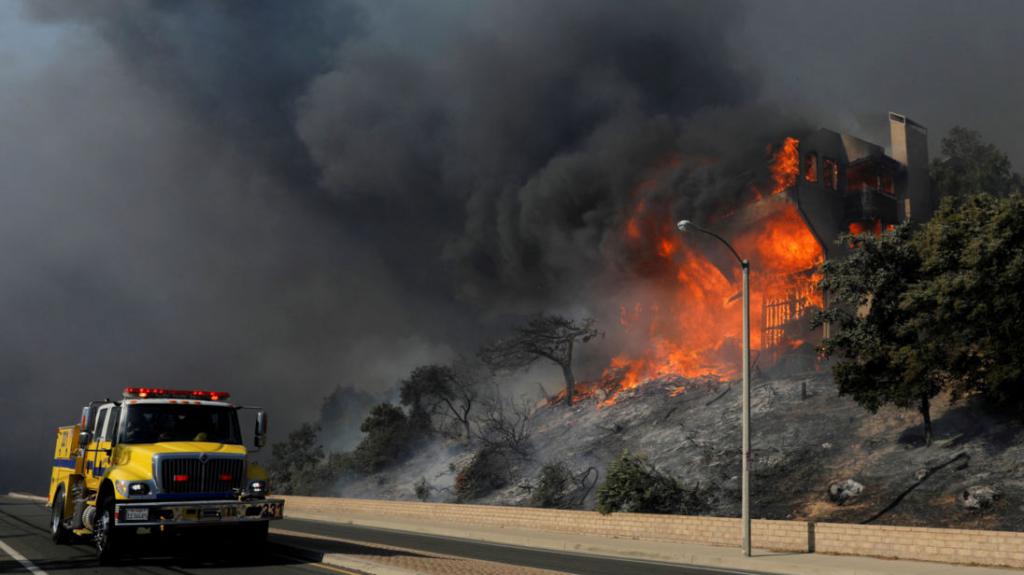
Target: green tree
x,y
881,358
442,397
422,393
295,464
967,304
969,165
388,439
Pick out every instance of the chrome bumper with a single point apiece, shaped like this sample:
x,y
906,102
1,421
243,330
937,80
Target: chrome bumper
x,y
155,513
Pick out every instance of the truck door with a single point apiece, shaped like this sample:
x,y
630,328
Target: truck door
x,y
95,457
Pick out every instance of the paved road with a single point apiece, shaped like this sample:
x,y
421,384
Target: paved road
x,y
23,528
529,557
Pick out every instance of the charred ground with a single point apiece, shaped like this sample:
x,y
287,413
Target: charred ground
x,y
802,446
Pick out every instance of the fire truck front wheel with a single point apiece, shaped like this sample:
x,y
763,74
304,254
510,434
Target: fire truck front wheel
x,y
58,530
106,537
255,533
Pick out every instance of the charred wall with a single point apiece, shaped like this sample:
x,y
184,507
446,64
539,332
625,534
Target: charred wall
x,y
847,184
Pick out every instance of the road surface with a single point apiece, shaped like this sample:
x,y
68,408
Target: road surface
x,y
24,536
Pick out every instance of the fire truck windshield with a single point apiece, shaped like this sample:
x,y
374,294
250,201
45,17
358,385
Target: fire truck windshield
x,y
157,422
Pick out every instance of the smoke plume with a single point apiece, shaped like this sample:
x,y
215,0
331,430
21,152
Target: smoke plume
x,y
279,199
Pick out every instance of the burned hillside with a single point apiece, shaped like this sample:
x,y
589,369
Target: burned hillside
x,y
694,436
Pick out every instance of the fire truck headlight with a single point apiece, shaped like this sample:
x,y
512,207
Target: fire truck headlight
x,y
138,489
132,488
258,487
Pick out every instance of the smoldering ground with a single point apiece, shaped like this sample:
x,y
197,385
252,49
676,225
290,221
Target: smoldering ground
x,y
280,198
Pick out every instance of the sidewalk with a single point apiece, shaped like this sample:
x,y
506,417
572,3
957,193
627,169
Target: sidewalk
x,y
686,554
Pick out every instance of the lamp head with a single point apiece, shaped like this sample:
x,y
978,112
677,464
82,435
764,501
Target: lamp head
x,y
683,225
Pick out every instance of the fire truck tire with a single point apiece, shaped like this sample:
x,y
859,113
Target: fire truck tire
x,y
256,533
106,537
58,530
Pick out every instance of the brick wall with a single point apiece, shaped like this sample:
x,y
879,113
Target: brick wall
x,y
780,535
996,548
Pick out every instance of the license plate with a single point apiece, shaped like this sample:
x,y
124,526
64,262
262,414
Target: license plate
x,y
271,511
134,514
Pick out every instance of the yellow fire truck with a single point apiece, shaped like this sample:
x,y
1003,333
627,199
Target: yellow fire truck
x,y
157,459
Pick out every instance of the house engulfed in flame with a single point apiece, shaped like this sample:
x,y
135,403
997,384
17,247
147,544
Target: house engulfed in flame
x,y
822,185
844,184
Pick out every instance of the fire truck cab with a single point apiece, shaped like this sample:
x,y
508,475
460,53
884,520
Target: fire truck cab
x,y
157,459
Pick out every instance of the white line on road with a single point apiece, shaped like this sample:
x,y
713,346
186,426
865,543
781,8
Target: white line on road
x,y
21,559
28,496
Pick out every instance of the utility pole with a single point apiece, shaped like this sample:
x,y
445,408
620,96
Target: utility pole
x,y
686,225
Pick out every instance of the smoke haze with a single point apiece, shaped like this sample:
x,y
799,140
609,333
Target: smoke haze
x,y
279,199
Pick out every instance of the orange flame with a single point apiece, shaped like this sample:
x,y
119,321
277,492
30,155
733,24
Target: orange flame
x,y
692,328
785,165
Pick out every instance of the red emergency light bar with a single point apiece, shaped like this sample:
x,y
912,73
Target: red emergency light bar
x,y
156,392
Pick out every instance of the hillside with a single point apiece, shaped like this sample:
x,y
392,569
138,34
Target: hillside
x,y
801,447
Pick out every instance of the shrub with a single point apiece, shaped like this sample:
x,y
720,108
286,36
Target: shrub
x,y
488,470
560,487
553,486
634,485
423,489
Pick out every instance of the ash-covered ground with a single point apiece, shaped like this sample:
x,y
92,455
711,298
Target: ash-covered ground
x,y
806,439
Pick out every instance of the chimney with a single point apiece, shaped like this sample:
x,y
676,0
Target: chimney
x,y
910,148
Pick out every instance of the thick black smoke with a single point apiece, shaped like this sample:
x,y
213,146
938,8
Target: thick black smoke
x,y
280,198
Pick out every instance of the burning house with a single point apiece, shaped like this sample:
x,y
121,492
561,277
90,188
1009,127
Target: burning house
x,y
823,184
846,184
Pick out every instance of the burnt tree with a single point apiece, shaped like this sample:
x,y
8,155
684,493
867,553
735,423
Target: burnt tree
x,y
548,336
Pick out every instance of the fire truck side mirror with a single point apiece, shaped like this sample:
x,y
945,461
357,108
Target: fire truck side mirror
x,y
261,428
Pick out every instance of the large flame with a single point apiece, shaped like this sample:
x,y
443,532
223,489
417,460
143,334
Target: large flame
x,y
785,165
691,324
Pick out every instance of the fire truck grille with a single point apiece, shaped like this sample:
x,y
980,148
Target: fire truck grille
x,y
192,475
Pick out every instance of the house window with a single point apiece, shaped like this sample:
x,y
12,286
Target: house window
x,y
811,167
885,184
830,173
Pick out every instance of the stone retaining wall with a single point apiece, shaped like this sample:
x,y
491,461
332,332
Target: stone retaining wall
x,y
993,548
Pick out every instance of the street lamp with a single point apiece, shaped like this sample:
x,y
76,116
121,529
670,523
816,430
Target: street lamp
x,y
687,225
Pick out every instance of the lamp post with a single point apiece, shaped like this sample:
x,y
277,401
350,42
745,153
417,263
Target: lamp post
x,y
686,225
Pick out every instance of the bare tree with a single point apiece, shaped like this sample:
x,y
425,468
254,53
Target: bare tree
x,y
463,393
549,336
505,424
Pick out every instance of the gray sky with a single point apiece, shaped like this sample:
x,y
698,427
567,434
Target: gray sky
x,y
845,64
280,198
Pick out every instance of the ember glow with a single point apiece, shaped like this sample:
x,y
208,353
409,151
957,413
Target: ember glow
x,y
691,325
